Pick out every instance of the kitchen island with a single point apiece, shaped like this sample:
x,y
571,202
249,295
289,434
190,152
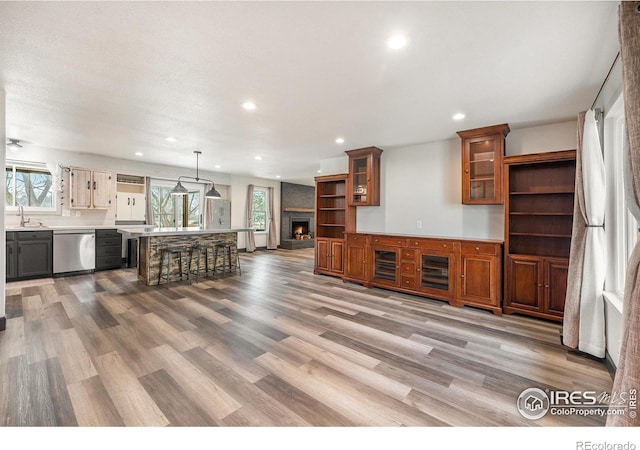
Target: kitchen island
x,y
152,240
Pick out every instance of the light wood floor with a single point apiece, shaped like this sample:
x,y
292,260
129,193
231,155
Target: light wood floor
x,y
277,346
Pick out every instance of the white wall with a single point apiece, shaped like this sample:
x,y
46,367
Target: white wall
x,y
423,183
3,237
233,188
239,187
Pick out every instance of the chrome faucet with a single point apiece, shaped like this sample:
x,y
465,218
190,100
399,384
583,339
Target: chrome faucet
x,y
21,214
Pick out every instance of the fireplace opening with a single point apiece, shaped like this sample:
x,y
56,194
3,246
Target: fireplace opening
x,y
299,227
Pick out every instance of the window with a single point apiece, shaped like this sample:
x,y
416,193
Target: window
x,y
621,227
29,186
176,210
259,210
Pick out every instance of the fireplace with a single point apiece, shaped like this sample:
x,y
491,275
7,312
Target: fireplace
x,y
299,227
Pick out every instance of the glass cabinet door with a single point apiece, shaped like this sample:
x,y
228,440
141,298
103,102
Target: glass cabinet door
x,y
434,272
360,180
385,265
482,174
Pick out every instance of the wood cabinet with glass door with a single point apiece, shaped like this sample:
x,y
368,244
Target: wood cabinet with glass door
x,y
364,177
538,226
482,157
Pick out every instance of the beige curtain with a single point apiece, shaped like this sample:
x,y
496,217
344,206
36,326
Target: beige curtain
x,y
571,322
208,208
272,238
251,241
628,371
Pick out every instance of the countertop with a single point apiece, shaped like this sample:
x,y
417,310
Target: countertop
x,y
148,231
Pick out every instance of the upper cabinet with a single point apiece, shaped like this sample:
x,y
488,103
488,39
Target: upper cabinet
x,y
130,198
482,156
364,177
90,189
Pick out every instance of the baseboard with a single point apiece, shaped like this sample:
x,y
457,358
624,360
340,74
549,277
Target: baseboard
x,y
611,366
3,323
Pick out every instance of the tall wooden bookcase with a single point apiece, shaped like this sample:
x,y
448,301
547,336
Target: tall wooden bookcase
x,y
334,217
538,222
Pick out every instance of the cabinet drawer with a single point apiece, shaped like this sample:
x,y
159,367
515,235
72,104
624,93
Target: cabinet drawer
x,y
479,248
34,235
408,268
108,233
432,244
408,282
108,262
389,240
109,251
356,239
11,236
108,241
409,254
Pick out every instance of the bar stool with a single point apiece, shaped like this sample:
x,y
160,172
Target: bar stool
x,y
229,249
170,251
199,249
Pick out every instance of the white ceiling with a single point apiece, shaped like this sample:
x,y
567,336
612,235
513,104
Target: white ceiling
x,y
115,78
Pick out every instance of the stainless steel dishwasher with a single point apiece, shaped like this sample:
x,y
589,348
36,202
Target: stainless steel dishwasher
x,y
74,250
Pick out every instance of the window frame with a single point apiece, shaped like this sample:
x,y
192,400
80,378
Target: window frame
x,y
266,210
191,187
621,227
15,166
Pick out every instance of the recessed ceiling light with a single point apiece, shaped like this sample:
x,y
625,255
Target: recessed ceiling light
x,y
139,154
319,171
171,139
278,176
458,116
258,158
218,166
248,105
339,140
397,41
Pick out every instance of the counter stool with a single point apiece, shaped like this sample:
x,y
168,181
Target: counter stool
x,y
228,249
170,251
200,249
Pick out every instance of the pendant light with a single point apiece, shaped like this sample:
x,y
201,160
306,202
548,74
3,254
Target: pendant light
x,y
181,190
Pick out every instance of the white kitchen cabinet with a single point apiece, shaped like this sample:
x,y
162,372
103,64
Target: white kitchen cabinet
x,y
90,189
130,206
130,198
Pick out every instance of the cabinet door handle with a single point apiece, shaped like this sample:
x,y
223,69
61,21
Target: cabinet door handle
x,y
19,249
128,201
462,276
466,171
134,201
94,185
88,184
539,284
477,248
546,286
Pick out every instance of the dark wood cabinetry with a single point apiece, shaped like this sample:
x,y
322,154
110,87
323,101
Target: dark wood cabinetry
x,y
364,176
108,249
29,255
538,224
482,157
428,267
334,217
356,258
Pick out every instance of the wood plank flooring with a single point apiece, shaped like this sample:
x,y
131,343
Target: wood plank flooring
x,y
277,346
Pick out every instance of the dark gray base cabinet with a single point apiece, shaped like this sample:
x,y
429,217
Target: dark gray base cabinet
x,y
108,249
29,255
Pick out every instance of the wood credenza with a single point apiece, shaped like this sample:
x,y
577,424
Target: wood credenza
x,y
459,271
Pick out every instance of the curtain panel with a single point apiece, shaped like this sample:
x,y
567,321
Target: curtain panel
x,y
251,240
208,208
272,237
584,322
628,371
149,203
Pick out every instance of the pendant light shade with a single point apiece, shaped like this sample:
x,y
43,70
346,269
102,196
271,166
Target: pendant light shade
x,y
181,190
212,193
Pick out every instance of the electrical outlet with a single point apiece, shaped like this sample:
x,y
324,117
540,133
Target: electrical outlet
x,y
419,224
66,213
78,213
